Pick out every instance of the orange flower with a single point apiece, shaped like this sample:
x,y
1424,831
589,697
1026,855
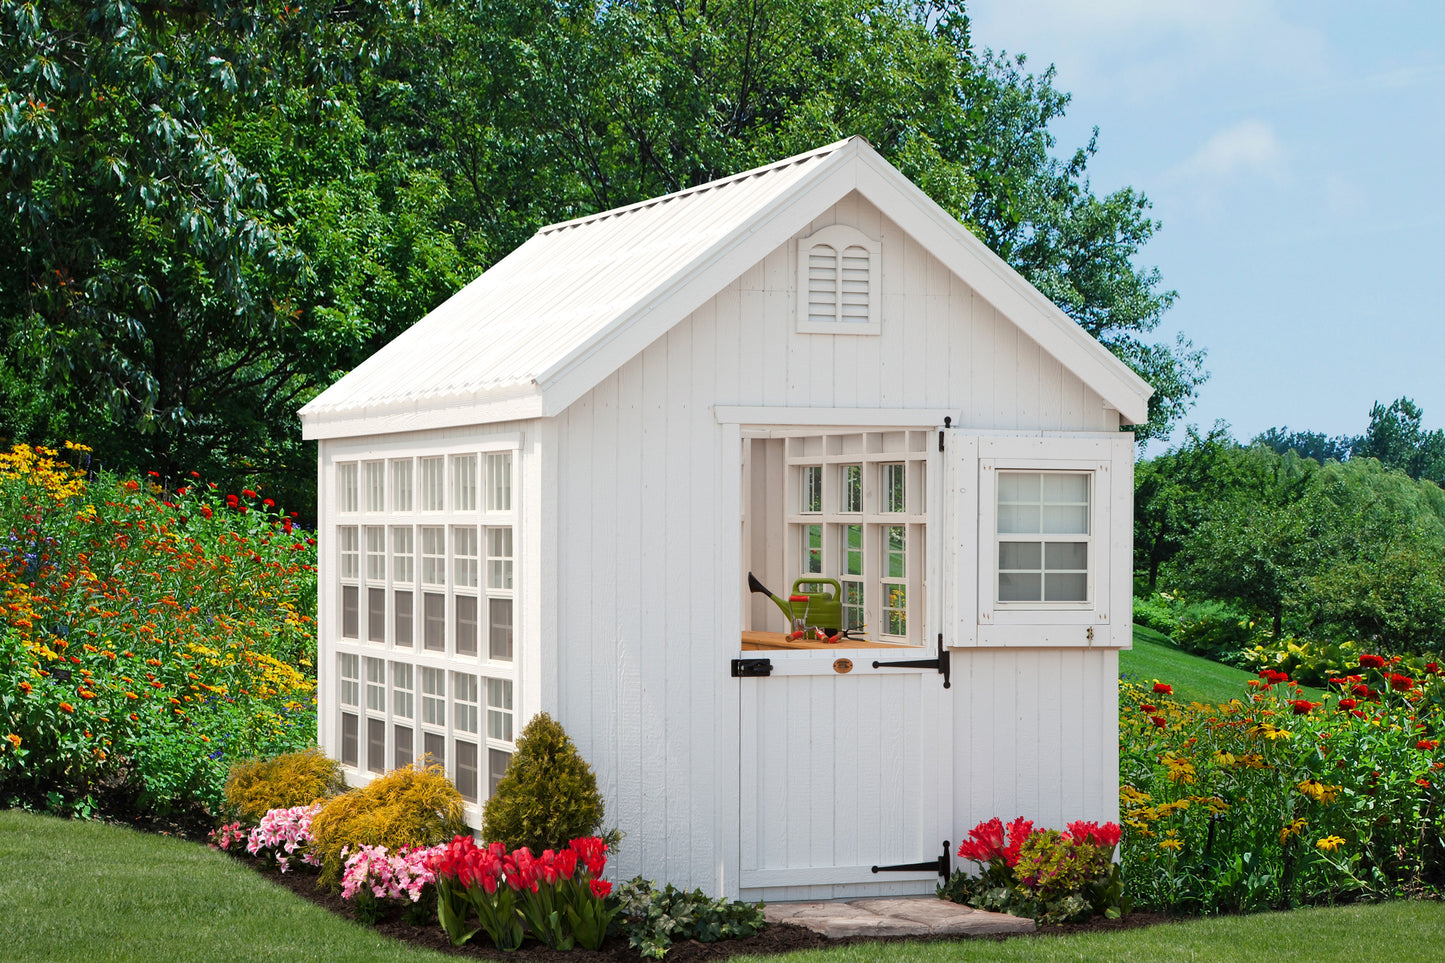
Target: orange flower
x,y
1423,782
66,707
25,687
14,740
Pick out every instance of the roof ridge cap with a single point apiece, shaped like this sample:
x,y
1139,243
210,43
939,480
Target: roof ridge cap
x,y
702,188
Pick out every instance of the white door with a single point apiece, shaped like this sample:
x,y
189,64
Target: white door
x,y
844,773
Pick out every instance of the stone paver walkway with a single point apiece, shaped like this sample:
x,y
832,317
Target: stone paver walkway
x,y
898,916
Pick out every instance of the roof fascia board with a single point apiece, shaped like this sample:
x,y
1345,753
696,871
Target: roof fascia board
x,y
725,261
1003,287
421,416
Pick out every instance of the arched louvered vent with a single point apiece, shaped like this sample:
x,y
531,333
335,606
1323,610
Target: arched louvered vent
x,y
838,282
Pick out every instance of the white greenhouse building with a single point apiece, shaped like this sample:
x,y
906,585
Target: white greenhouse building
x,y
549,495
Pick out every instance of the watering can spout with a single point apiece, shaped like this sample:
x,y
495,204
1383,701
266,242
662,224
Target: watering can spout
x,y
755,586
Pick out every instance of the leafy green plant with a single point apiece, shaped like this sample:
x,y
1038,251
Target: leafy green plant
x,y
406,808
654,919
548,795
256,786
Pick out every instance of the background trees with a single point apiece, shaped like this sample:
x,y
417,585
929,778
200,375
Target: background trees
x,y
213,210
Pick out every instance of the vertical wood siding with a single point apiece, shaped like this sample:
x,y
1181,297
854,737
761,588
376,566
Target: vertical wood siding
x,y
647,555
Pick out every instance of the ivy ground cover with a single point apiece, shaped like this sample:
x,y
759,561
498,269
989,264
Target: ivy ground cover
x,y
1274,799
148,637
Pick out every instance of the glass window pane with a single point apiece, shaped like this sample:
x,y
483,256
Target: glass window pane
x,y
433,484
376,745
499,481
1066,520
1018,587
401,690
1018,519
853,550
895,551
467,773
350,618
895,609
350,741
403,755
1018,487
812,554
401,470
464,702
812,478
1066,556
851,489
497,762
895,488
853,605
1061,487
402,569
499,645
464,552
347,496
376,486
466,625
348,539
434,556
499,558
464,483
401,618
433,696
1019,555
350,666
435,747
376,615
375,685
376,553
434,621
1067,587
499,709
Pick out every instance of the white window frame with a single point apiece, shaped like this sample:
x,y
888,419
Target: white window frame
x,y
846,246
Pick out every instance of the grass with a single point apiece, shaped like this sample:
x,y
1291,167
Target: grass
x,y
1194,679
80,891
1405,932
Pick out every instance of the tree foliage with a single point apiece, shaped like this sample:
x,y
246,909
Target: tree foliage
x,y
211,210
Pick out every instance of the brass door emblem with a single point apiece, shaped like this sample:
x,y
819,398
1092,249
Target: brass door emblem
x,y
843,665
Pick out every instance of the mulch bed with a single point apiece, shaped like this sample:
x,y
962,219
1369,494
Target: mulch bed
x,y
773,939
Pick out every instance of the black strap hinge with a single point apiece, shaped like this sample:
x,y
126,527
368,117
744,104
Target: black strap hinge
x,y
940,865
940,662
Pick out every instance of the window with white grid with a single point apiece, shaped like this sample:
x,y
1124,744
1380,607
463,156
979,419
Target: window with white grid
x,y
433,484
348,499
401,484
857,514
374,476
499,481
464,483
1043,536
433,556
433,696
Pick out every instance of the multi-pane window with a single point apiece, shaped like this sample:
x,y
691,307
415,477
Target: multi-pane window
x,y
402,556
499,481
375,553
464,555
349,666
348,541
499,630
347,490
349,696
857,514
433,484
465,703
499,558
433,696
374,474
401,484
376,685
499,709
402,690
1043,536
464,483
434,556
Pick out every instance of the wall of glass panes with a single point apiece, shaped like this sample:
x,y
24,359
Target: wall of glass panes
x,y
426,614
857,512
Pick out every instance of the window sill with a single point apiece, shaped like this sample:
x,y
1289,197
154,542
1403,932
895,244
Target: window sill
x,y
755,641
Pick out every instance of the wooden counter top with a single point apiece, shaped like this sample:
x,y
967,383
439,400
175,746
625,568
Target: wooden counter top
x,y
754,641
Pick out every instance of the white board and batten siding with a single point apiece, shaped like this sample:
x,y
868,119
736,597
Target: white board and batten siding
x,y
650,570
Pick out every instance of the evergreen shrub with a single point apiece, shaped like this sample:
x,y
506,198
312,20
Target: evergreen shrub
x,y
411,807
257,786
548,796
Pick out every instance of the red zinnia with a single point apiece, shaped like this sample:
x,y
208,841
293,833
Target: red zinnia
x,y
1158,721
1147,707
1163,688
1432,667
1348,703
1427,744
1360,690
1423,782
1401,683
1302,707
248,493
205,511
1371,662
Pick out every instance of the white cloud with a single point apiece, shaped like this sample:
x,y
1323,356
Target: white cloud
x,y
1248,148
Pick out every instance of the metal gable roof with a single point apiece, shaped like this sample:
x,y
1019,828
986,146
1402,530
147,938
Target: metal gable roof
x,y
579,298
562,289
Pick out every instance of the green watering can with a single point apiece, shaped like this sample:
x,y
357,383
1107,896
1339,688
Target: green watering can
x,y
814,609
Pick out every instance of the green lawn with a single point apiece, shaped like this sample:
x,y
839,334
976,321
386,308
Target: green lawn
x,y
1194,679
77,891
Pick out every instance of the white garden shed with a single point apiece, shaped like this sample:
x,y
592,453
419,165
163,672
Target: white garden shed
x,y
549,492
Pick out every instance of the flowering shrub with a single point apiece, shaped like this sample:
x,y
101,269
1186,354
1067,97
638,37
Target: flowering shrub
x,y
284,835
372,875
1050,876
1274,799
558,897
147,637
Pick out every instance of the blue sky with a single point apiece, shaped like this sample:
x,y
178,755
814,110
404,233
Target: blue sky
x,y
1295,153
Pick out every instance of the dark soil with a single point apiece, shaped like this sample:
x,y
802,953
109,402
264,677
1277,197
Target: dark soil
x,y
773,939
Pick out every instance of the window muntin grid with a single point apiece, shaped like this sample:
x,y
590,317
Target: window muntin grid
x,y
401,484
433,484
499,481
375,553
1043,537
464,483
433,696
464,556
403,555
434,555
499,709
499,557
348,500
402,690
348,542
349,670
465,702
375,685
374,476
850,489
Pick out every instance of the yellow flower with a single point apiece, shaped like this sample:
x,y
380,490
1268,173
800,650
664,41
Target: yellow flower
x,y
1292,829
1318,791
1171,843
1329,844
1224,759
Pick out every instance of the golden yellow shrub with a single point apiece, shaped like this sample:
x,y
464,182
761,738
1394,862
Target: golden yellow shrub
x,y
292,779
